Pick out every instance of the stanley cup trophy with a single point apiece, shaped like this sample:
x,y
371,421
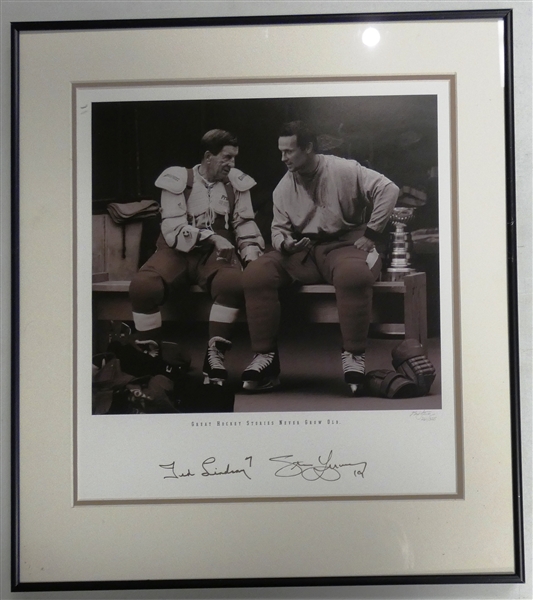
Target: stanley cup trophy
x,y
399,256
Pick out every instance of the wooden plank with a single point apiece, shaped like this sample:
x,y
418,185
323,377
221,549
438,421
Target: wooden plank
x,y
98,237
380,286
98,277
390,287
415,308
122,249
319,288
111,286
394,287
316,304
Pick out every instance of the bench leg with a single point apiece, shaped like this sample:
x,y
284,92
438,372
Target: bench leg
x,y
415,308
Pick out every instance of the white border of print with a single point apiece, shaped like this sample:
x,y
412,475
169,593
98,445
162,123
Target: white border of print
x,y
119,457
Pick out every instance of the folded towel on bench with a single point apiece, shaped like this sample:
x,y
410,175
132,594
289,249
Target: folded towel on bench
x,y
132,211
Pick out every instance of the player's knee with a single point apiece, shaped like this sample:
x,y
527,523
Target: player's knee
x,y
226,287
352,274
260,274
146,290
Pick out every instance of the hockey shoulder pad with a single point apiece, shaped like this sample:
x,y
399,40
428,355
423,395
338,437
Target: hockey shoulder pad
x,y
240,181
173,179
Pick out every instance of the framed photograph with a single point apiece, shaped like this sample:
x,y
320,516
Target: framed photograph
x,y
265,301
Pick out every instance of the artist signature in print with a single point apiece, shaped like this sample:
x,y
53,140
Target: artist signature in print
x,y
423,415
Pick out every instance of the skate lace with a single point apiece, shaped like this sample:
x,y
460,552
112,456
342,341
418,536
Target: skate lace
x,y
261,361
215,352
353,362
215,357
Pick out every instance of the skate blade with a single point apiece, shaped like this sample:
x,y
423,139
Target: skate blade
x,y
259,386
356,389
213,381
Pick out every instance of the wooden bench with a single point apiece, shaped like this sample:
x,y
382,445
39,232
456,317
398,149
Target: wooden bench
x,y
399,307
315,303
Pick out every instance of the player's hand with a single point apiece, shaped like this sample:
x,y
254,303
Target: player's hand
x,y
363,243
291,246
224,249
253,253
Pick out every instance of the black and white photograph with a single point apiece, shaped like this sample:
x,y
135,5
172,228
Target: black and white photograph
x,y
295,323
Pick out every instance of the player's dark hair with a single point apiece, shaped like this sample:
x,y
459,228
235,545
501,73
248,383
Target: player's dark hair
x,y
304,135
214,140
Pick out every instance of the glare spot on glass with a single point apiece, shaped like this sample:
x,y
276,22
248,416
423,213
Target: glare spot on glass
x,y
371,36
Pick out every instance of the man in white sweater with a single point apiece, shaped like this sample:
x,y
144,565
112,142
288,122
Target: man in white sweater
x,y
328,214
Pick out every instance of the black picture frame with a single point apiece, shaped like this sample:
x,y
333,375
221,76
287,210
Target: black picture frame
x,y
517,574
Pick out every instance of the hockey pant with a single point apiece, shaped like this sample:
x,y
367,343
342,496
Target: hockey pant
x,y
168,269
341,265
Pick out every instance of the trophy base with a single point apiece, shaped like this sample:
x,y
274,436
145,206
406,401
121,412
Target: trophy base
x,y
398,273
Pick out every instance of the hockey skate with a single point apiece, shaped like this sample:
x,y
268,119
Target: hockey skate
x,y
262,373
214,369
353,366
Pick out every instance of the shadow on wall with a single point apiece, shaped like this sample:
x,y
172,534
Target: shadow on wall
x,y
133,142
